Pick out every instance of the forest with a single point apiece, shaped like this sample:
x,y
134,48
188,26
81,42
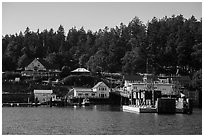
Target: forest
x,y
160,46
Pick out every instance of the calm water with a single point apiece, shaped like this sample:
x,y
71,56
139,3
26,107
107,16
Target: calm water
x,y
96,120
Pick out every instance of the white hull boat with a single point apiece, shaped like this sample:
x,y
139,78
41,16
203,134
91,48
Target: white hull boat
x,y
139,109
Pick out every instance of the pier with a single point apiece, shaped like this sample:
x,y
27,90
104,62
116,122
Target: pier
x,y
19,104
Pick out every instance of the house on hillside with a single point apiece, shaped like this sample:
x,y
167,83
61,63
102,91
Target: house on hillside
x,y
100,90
39,67
80,71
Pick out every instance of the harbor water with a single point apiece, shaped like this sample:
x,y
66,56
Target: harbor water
x,y
96,120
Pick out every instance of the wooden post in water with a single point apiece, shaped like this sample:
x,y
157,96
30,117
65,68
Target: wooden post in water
x,y
131,97
36,102
51,102
121,103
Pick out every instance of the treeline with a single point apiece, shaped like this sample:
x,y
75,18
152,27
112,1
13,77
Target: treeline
x,y
160,46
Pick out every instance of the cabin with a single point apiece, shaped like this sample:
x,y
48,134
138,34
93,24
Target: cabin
x,y
100,90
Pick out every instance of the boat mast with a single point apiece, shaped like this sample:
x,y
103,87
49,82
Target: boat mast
x,y
147,66
151,81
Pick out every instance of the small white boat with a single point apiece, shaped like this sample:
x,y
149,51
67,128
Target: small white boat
x,y
85,102
139,109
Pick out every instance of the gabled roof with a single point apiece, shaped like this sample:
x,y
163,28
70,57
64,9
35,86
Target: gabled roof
x,y
43,91
26,62
99,84
46,64
83,89
80,70
133,77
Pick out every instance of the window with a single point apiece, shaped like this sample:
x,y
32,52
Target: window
x,y
102,95
86,94
79,94
93,94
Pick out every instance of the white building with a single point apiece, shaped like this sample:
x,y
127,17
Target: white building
x,y
43,95
35,65
148,82
130,79
100,90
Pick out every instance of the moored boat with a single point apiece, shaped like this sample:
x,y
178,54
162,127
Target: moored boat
x,y
139,109
85,102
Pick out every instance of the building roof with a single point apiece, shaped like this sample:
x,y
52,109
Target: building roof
x,y
26,62
43,91
46,64
83,89
133,77
100,83
80,70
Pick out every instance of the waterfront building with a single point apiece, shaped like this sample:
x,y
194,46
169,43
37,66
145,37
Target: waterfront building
x,y
150,82
43,95
100,90
129,79
15,97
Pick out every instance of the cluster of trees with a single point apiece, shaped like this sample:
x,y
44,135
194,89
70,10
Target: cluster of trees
x,y
160,46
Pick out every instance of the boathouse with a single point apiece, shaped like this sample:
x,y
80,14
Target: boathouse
x,y
100,90
43,95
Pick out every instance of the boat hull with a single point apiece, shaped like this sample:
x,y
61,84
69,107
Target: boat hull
x,y
137,109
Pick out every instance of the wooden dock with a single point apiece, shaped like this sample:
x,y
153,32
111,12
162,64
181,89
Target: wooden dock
x,y
20,104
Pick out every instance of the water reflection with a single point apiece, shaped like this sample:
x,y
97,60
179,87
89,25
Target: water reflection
x,y
96,119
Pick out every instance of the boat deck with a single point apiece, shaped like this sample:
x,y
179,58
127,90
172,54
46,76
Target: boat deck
x,y
139,109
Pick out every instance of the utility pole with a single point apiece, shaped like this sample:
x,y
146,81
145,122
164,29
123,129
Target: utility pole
x,y
147,66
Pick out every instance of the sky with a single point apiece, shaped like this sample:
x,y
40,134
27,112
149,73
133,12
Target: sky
x,y
16,16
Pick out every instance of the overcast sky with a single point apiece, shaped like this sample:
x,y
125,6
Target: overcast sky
x,y
92,16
